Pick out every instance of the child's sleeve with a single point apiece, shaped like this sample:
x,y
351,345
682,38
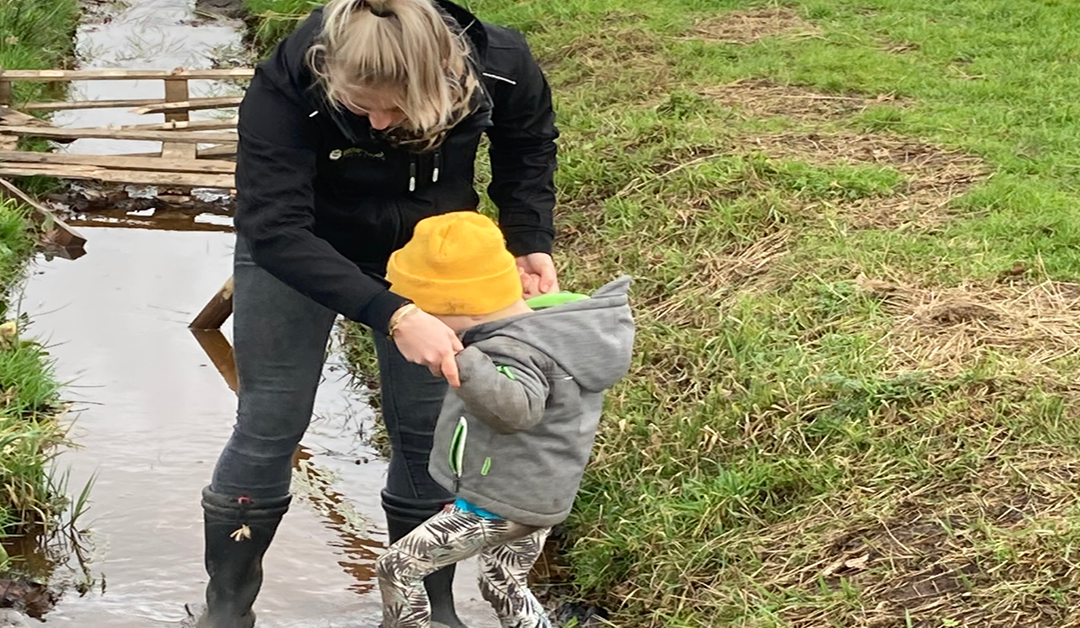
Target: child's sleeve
x,y
507,390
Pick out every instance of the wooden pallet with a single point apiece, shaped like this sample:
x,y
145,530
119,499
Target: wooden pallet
x,y
194,153
184,142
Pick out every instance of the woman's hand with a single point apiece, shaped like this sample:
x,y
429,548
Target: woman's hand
x,y
537,274
424,339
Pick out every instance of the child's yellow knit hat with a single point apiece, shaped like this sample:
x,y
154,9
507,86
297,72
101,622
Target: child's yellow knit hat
x,y
456,264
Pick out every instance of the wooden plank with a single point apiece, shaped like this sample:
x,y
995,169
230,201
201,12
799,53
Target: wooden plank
x,y
176,90
210,152
193,125
228,150
90,104
111,75
191,105
5,91
138,177
122,162
9,116
189,137
217,310
57,231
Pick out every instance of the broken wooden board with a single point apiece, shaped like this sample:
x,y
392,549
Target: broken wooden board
x,y
208,152
107,175
189,105
109,75
187,137
65,105
56,230
119,162
193,125
11,117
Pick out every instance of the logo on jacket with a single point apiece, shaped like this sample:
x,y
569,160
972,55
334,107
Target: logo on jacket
x,y
337,153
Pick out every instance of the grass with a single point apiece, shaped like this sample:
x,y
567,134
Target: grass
x,y
34,34
853,228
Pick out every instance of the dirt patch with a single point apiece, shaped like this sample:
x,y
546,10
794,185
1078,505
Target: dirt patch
x,y
619,57
234,9
935,175
747,27
950,330
762,98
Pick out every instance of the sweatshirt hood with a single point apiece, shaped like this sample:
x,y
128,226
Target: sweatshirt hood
x,y
591,339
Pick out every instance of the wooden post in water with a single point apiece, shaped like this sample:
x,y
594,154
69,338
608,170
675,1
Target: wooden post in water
x,y
220,352
217,311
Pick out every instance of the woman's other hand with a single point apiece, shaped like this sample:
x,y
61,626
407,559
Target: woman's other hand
x,y
537,274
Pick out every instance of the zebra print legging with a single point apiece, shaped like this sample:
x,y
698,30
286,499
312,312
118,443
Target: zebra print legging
x,y
506,551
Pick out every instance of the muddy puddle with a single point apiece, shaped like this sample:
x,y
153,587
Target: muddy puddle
x,y
152,401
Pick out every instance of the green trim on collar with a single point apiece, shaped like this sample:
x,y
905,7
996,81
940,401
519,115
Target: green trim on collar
x,y
553,299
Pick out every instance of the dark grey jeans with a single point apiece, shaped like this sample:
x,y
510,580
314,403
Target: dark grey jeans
x,y
280,339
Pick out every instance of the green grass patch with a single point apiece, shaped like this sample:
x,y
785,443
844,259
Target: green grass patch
x,y
30,431
853,228
34,34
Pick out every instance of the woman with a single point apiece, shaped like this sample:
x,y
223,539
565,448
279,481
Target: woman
x,y
361,123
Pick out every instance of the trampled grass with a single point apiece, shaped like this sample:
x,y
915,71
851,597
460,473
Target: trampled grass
x,y
853,228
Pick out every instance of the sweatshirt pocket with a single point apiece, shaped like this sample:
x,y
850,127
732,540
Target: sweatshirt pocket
x,y
457,447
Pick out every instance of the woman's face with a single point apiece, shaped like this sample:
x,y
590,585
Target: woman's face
x,y
378,105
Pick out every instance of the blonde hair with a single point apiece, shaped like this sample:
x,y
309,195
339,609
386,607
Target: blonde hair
x,y
405,46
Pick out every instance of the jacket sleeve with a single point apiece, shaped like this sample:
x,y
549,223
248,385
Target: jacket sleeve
x,y
275,212
506,393
523,150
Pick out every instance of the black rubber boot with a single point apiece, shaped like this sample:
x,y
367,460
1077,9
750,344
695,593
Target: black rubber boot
x,y
238,530
403,515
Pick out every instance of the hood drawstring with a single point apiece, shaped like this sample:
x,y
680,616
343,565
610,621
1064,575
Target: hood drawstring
x,y
412,174
435,167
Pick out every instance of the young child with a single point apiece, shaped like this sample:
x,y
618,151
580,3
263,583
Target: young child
x,y
513,440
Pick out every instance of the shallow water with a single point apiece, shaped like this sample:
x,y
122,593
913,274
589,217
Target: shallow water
x,y
153,400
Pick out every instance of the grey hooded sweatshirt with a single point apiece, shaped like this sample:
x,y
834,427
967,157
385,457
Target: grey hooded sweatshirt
x,y
515,438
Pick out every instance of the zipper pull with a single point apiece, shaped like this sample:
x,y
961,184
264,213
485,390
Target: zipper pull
x,y
435,170
412,175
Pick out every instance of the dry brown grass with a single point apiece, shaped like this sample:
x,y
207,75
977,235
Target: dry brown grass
x,y
935,176
616,56
948,331
762,98
939,556
746,27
